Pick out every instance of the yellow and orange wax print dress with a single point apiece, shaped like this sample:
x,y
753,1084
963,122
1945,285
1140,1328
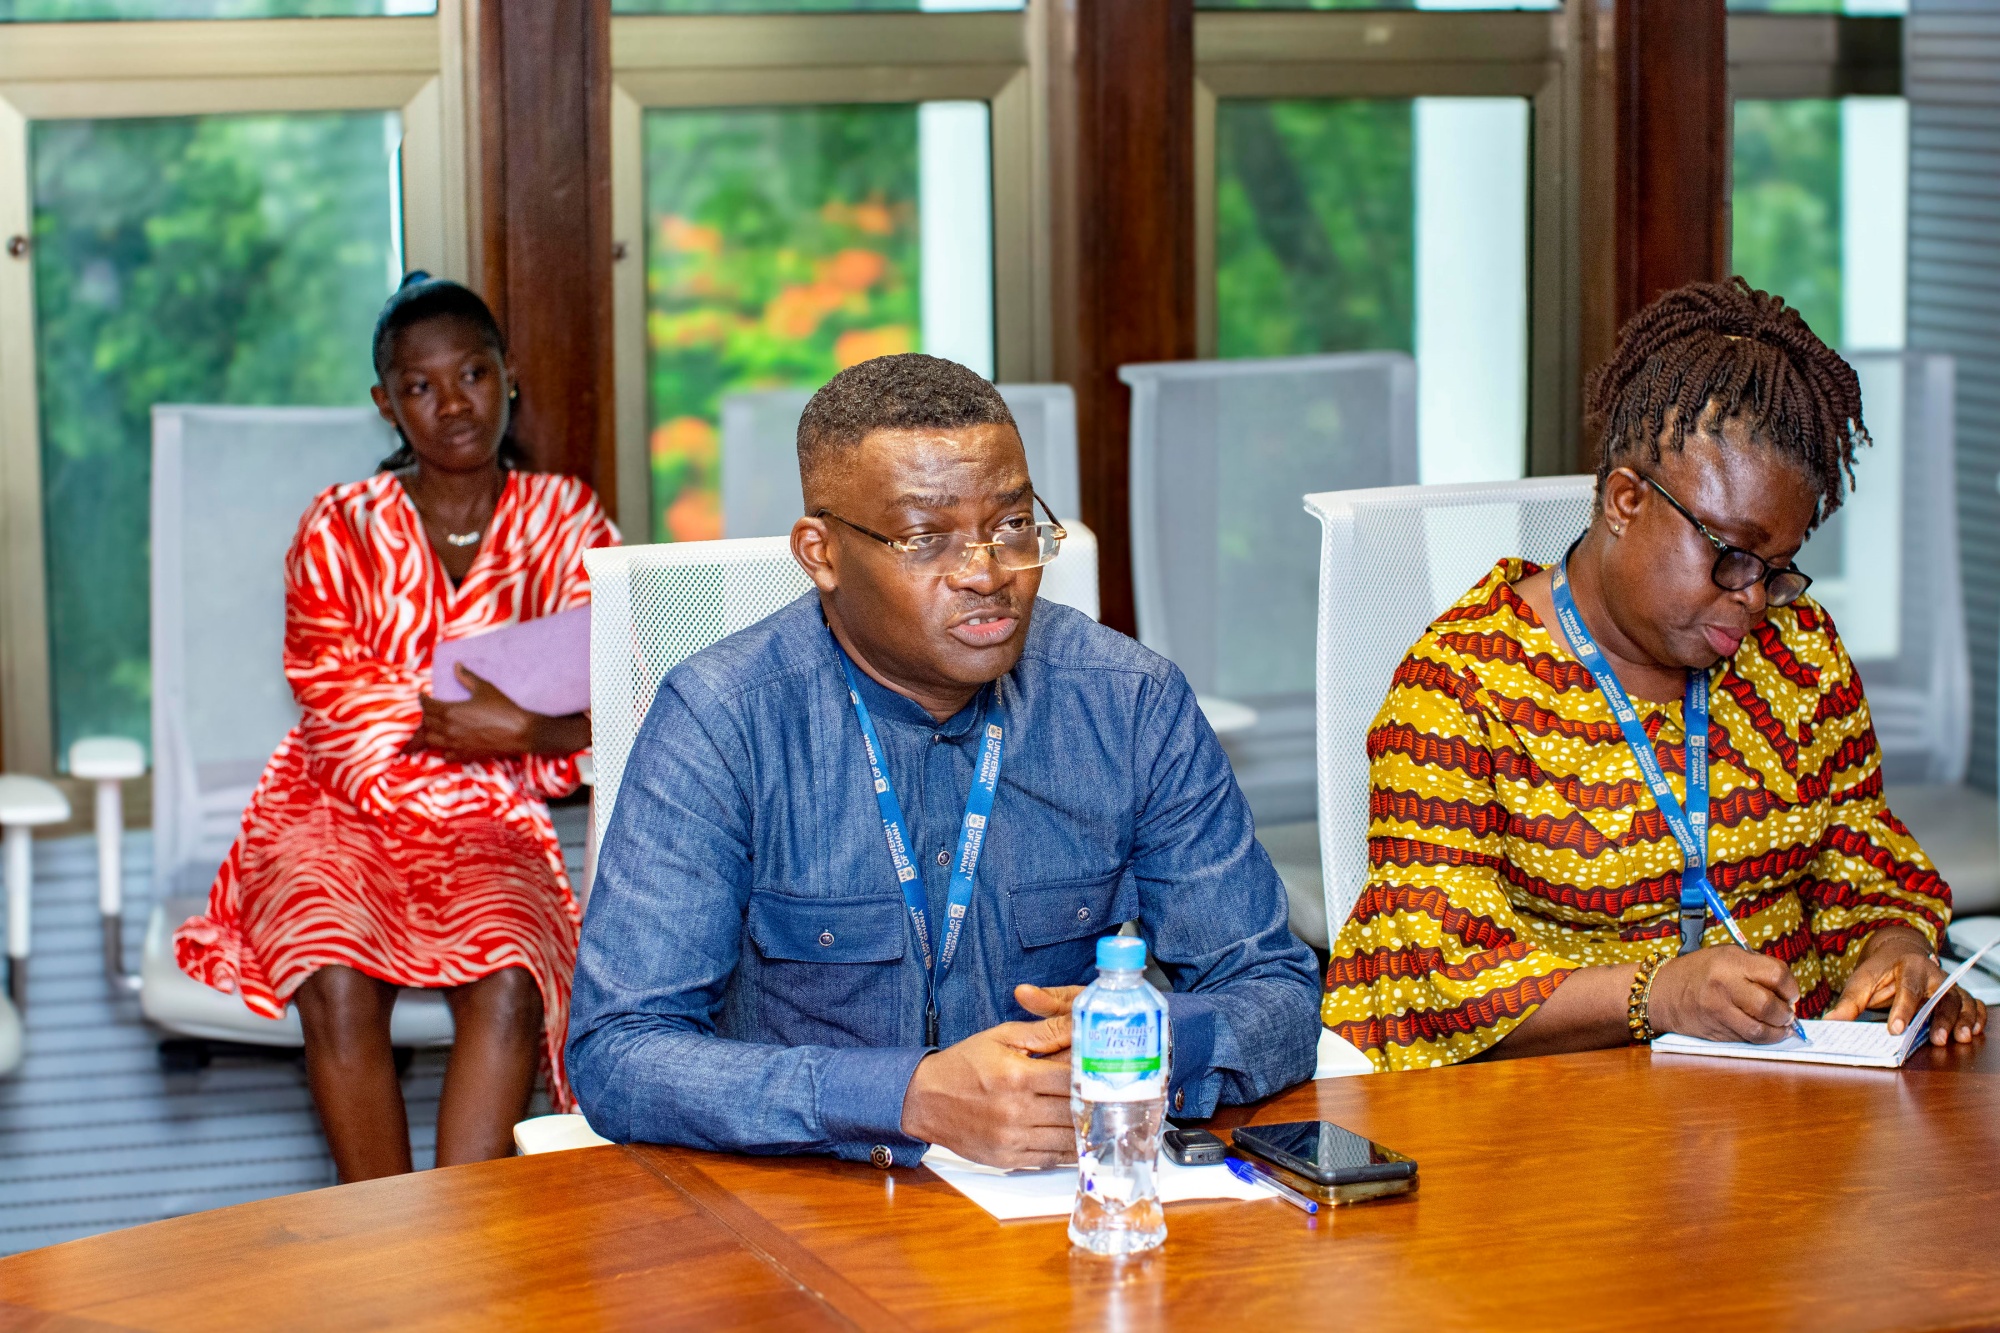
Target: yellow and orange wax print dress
x,y
356,850
1511,838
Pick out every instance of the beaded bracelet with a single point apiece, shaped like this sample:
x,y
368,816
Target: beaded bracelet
x,y
1638,1008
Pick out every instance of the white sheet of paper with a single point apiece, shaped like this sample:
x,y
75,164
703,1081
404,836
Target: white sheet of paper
x,y
1339,1058
1011,1195
1867,1045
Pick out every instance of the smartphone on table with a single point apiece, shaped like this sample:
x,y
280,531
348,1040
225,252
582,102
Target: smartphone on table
x,y
1326,1162
1190,1145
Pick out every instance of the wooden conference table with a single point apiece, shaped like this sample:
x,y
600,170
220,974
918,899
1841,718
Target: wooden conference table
x,y
1609,1190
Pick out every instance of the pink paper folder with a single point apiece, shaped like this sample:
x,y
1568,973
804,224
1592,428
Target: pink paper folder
x,y
542,665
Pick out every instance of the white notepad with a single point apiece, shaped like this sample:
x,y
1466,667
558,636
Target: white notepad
x,y
1866,1045
1010,1195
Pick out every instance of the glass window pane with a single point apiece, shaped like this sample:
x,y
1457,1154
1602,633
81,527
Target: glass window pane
x,y
1890,7
803,6
1820,216
50,11
1378,4
218,259
1820,212
1363,225
785,244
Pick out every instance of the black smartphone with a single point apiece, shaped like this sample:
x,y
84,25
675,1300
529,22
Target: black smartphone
x,y
1326,1154
1193,1147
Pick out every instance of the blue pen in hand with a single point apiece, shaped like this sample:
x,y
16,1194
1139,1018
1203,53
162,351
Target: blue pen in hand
x,y
1736,933
1252,1175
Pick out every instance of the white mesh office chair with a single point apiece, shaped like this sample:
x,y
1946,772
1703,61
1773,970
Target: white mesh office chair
x,y
760,461
1223,568
1390,560
229,486
1886,566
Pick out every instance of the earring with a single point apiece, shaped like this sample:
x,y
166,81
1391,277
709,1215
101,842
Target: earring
x,y
514,395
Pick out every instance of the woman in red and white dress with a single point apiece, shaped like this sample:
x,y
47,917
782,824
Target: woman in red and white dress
x,y
396,840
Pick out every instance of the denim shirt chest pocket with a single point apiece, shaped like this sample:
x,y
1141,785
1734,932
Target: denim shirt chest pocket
x,y
1058,924
831,967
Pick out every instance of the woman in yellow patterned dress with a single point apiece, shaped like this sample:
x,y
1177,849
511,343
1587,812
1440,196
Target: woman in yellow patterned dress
x,y
1525,885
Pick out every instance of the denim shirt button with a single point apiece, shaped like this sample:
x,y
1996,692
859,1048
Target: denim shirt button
x,y
1083,914
943,857
881,1156
826,939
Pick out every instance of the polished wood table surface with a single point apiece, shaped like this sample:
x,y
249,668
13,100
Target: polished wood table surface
x,y
1615,1189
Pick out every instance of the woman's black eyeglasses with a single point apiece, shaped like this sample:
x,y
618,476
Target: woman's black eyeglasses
x,y
1735,568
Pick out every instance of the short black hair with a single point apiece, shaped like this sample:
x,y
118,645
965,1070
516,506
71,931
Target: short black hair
x,y
1749,354
419,299
907,391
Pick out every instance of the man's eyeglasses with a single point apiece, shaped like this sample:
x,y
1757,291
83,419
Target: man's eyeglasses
x,y
1735,568
1017,544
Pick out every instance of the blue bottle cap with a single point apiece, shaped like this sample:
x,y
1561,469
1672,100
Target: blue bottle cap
x,y
1125,953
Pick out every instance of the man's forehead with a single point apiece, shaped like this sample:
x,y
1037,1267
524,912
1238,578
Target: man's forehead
x,y
939,468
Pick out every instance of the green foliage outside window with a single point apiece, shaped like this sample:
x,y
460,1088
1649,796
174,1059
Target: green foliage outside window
x,y
220,259
1314,227
1786,206
47,11
781,6
782,247
1369,4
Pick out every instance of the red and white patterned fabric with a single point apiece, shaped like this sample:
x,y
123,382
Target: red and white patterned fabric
x,y
357,851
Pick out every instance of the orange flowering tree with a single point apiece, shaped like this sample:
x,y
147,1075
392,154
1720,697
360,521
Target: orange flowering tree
x,y
782,249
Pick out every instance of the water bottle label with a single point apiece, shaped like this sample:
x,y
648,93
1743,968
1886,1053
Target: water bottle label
x,y
1118,1056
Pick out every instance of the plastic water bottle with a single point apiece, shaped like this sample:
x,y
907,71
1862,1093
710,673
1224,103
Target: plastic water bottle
x,y
1120,1048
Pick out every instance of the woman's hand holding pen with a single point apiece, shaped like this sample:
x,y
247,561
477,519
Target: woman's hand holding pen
x,y
1725,994
1897,970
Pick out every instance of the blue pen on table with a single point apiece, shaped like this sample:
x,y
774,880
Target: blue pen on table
x,y
1736,933
1253,1175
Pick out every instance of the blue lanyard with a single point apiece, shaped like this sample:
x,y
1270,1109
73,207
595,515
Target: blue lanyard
x,y
1690,826
971,835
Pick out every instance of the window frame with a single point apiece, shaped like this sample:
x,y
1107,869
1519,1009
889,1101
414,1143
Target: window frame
x,y
414,66
1785,56
686,61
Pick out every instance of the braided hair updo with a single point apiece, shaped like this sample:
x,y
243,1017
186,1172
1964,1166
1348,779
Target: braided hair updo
x,y
1712,351
420,299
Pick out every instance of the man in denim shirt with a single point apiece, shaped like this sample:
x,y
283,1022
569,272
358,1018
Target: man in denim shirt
x,y
752,975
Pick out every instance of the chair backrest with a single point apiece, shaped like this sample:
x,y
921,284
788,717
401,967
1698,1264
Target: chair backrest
x,y
652,607
760,462
1046,415
1223,567
1390,561
760,468
1886,565
229,487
